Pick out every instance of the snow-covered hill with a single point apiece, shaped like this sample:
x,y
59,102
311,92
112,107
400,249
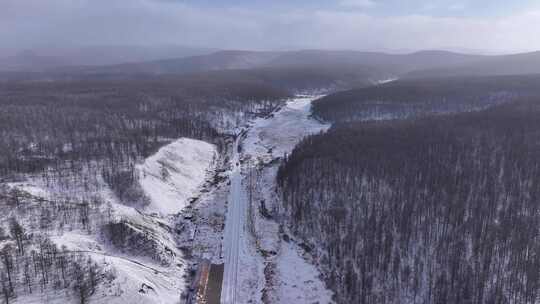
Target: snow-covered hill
x,y
137,249
174,174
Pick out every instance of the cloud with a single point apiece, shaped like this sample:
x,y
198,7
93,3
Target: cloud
x,y
357,3
34,23
457,7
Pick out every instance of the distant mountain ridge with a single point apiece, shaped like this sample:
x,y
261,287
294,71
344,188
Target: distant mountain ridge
x,y
230,60
399,62
518,64
28,60
221,60
43,60
422,64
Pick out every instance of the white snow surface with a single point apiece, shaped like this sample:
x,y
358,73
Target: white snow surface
x,y
175,173
242,275
246,232
276,136
164,283
388,80
299,280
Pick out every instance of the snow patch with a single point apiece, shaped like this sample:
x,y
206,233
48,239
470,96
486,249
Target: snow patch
x,y
277,135
173,175
385,81
299,279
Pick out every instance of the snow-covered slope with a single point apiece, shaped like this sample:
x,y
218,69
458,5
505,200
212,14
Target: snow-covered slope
x,y
137,280
174,174
139,247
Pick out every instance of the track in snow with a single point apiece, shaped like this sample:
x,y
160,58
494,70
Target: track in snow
x,y
235,222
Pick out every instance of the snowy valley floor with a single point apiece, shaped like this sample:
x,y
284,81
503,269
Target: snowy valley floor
x,y
259,266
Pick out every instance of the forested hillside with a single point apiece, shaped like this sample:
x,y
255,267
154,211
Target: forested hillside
x,y
301,78
264,60
71,146
32,263
409,98
441,209
513,64
48,123
68,162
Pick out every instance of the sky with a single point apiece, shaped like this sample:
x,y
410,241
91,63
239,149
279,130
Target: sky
x,y
498,26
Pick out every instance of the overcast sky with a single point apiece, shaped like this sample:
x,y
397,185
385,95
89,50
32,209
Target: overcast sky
x,y
494,25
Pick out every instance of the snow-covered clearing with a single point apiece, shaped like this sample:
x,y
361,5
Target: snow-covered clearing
x,y
277,135
173,175
298,281
137,280
134,283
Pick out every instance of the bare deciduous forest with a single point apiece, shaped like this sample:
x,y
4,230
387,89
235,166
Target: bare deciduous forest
x,y
440,209
74,134
412,98
418,191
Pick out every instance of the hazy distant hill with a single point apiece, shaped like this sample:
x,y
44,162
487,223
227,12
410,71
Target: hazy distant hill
x,y
228,60
109,55
29,61
424,64
38,60
399,63
518,64
221,60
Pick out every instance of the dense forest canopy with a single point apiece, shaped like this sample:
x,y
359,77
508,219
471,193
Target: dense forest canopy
x,y
46,121
409,98
436,210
